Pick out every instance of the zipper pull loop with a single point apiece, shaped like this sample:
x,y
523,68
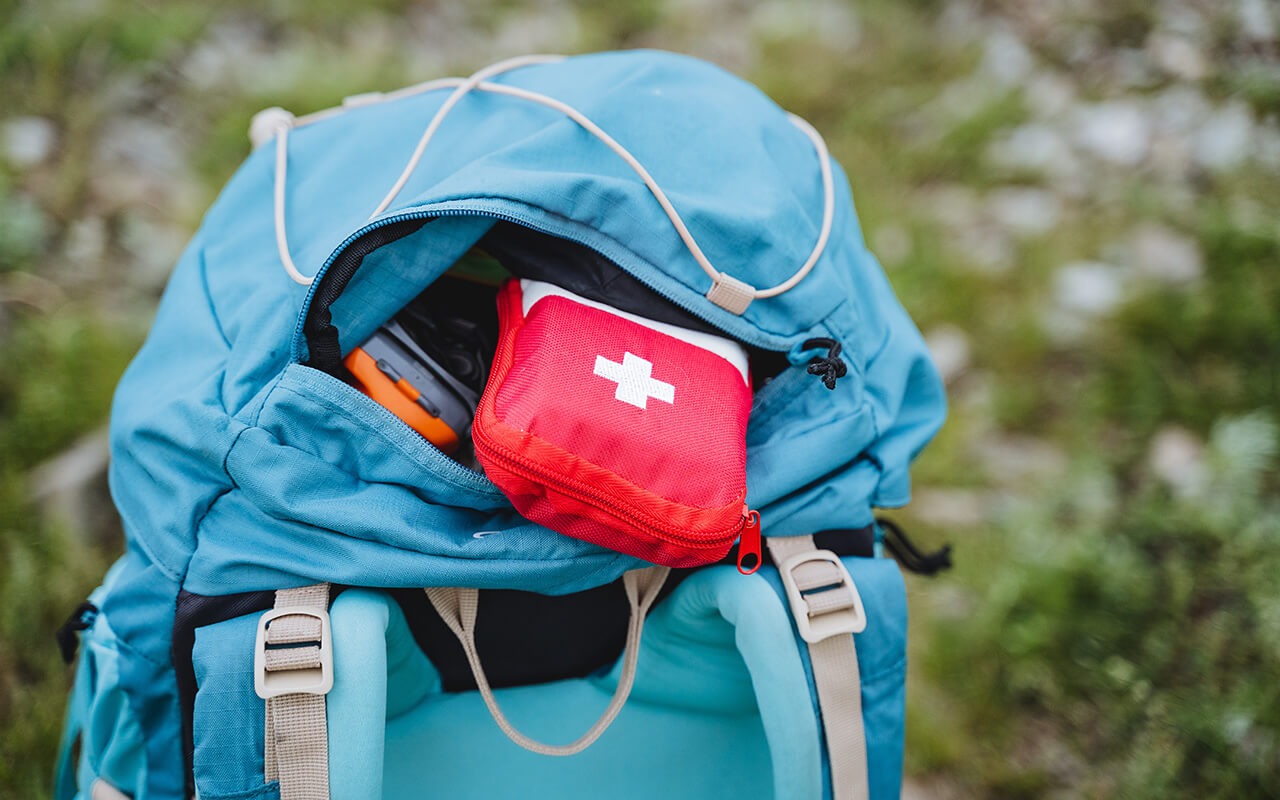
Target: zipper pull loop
x,y
750,556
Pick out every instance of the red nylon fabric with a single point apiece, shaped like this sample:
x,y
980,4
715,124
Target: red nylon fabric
x,y
560,430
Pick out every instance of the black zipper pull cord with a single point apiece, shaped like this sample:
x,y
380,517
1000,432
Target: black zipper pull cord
x,y
908,555
80,619
828,367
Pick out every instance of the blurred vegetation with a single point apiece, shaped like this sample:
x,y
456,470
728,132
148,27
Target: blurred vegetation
x,y
1054,192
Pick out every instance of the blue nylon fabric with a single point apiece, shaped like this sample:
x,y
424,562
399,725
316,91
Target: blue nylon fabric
x,y
321,459
236,469
229,723
385,676
393,276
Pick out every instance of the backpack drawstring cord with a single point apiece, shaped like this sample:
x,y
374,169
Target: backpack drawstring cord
x,y
726,291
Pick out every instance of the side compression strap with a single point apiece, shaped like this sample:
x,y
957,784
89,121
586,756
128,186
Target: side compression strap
x,y
458,609
827,611
293,671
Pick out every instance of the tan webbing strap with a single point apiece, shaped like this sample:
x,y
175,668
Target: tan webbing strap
x,y
293,672
828,610
101,790
458,609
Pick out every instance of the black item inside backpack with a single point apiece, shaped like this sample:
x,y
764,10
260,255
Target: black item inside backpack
x,y
569,265
455,323
428,365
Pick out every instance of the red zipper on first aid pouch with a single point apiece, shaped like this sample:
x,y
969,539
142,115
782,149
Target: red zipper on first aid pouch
x,y
657,528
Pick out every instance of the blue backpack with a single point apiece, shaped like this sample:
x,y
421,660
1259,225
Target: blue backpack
x,y
267,633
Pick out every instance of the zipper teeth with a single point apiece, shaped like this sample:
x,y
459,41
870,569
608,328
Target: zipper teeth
x,y
462,212
652,525
337,252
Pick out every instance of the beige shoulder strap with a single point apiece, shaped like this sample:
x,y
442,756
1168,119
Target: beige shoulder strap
x,y
458,609
293,671
828,610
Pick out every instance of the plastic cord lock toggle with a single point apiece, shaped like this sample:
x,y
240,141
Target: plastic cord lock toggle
x,y
304,667
823,598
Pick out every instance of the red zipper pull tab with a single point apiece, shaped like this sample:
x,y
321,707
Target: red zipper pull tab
x,y
750,556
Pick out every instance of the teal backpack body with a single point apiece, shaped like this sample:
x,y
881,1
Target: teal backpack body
x,y
266,634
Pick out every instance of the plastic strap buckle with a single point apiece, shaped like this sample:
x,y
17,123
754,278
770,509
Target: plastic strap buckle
x,y
298,680
820,576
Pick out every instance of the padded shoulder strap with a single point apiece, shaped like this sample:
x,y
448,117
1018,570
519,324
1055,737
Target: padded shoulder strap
x,y
827,611
458,609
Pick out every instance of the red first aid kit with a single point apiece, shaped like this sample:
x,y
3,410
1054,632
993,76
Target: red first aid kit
x,y
616,429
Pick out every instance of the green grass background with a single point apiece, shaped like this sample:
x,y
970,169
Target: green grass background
x,y
1112,627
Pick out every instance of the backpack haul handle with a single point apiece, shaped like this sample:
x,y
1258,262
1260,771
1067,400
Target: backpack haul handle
x,y
457,607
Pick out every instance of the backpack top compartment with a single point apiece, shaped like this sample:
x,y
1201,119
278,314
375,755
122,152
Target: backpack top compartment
x,y
239,467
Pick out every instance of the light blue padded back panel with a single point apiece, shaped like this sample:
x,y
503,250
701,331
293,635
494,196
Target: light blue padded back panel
x,y
722,703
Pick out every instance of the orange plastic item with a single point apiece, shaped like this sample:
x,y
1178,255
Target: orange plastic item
x,y
400,398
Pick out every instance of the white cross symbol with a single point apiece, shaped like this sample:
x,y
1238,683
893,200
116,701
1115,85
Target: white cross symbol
x,y
634,384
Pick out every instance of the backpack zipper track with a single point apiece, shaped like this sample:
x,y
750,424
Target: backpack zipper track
x,y
763,340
